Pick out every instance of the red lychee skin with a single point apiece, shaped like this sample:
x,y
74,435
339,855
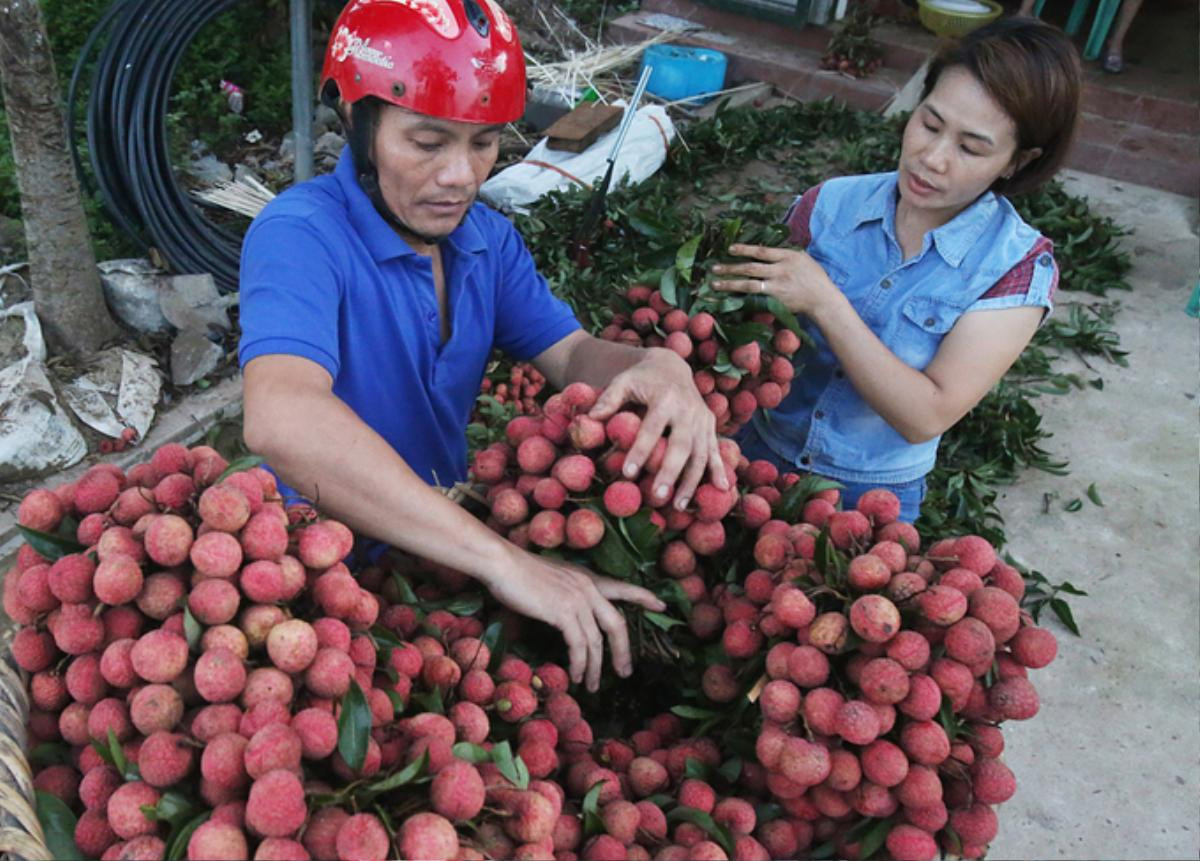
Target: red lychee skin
x,y
220,675
164,759
124,810
1005,577
536,455
509,507
874,618
821,708
847,528
362,837
42,510
548,529
622,429
33,650
777,660
117,580
218,841
975,554
109,715
330,673
857,722
585,529
222,761
736,814
808,667
924,698
868,572
697,794
992,781
275,746
954,678
740,640
96,491
910,650
828,632
779,701
998,610
458,792
93,836
804,762
160,595
547,493
264,537
1014,699
883,681
159,656
970,641
155,708
884,764
845,771
489,464
792,607
168,540
70,578
909,843
622,499
925,742
1034,647
705,539
276,805
514,701
942,605
97,785
976,825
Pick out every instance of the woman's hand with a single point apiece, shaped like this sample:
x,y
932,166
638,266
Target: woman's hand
x,y
788,274
663,382
576,602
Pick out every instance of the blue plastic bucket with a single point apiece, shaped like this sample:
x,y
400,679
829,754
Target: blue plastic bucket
x,y
681,72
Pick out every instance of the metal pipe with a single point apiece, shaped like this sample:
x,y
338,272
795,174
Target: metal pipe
x,y
302,94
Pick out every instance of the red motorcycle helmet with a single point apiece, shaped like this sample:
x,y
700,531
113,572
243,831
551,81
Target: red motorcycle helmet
x,y
451,59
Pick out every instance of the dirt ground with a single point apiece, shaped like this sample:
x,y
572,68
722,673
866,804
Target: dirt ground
x,y
1108,768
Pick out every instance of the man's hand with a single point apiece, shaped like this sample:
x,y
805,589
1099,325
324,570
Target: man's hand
x,y
663,382
578,603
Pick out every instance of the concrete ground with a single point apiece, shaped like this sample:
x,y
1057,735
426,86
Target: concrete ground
x,y
1108,768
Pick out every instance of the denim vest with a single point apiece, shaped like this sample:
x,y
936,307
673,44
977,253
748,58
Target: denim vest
x,y
823,425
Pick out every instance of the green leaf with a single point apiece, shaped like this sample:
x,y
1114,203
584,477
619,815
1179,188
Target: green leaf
x,y
354,727
192,630
1069,589
405,776
178,840
510,766
430,701
768,812
117,757
661,620
699,817
494,639
695,769
407,595
642,535
874,838
463,605
240,465
52,547
784,316
58,826
685,258
1094,495
613,556
592,822
667,286
51,753
731,769
693,712
1073,505
1063,611
472,753
398,704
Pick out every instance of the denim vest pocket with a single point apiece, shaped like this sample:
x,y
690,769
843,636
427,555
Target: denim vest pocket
x,y
918,336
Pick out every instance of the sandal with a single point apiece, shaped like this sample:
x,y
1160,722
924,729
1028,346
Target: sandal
x,y
1114,64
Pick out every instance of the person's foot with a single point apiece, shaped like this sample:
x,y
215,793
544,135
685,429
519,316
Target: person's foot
x,y
1113,63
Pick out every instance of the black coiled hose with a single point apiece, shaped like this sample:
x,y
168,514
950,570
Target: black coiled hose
x,y
127,132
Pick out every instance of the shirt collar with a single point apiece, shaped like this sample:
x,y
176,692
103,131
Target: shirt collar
x,y
953,239
381,240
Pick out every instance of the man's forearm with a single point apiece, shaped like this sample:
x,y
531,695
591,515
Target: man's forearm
x,y
595,361
363,482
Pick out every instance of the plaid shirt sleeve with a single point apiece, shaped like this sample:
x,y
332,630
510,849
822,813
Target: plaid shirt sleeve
x,y
1018,280
799,217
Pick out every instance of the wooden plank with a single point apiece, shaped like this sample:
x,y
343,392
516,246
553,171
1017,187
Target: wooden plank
x,y
579,129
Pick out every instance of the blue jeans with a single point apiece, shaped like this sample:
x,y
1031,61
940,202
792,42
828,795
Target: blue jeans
x,y
910,493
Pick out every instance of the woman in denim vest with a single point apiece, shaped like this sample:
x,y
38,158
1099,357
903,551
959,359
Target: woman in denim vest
x,y
920,286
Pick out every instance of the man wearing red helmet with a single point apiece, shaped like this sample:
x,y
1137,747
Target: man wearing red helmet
x,y
371,299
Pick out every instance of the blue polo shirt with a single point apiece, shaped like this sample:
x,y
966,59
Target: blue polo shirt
x,y
324,277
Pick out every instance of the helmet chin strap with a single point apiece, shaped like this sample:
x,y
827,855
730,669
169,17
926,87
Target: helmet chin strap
x,y
363,117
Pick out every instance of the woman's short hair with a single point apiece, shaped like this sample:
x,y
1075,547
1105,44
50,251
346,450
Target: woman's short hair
x,y
1032,70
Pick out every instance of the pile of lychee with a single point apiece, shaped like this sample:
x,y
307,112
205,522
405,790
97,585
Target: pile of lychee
x,y
519,383
741,359
203,641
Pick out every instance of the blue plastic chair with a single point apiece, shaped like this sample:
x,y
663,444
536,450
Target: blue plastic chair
x,y
1105,13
